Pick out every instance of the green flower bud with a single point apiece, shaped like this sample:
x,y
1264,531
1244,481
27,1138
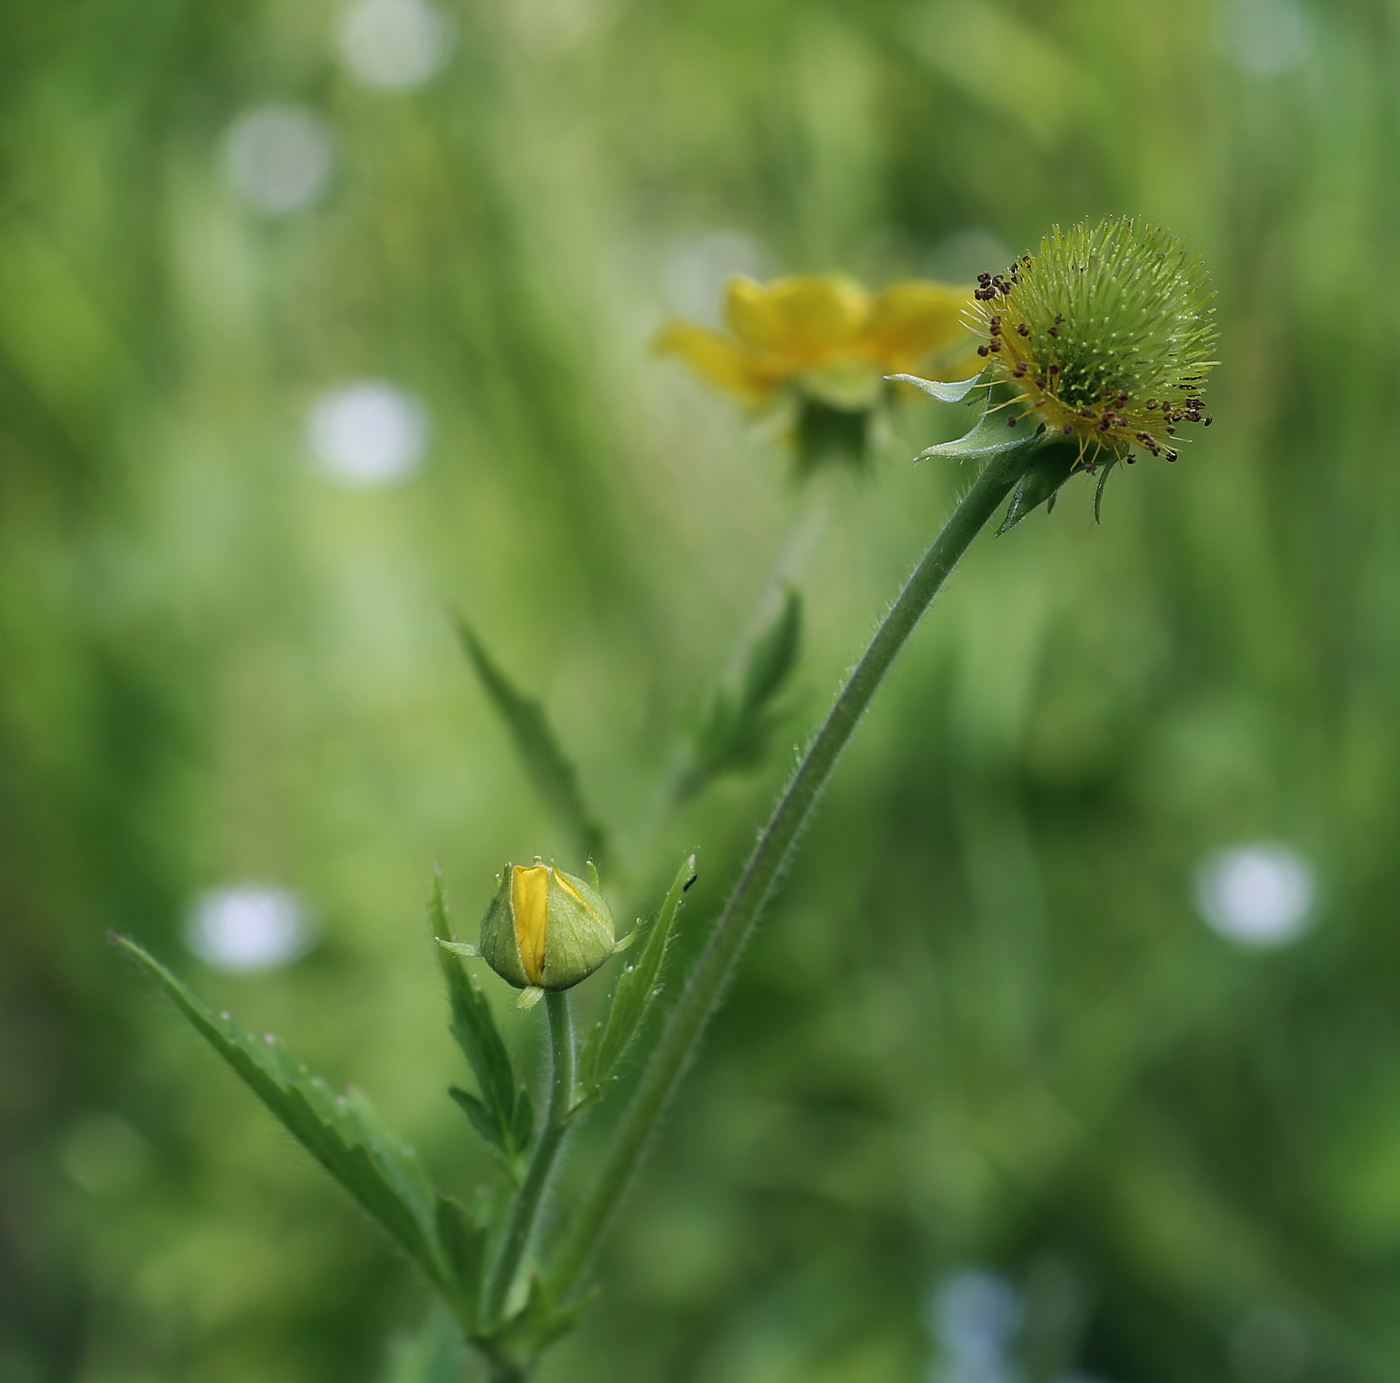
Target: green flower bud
x,y
1104,335
546,929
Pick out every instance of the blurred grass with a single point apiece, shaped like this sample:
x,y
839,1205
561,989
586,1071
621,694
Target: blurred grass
x,y
983,1025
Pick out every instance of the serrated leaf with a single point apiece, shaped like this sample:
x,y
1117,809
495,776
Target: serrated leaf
x,y
990,437
954,392
553,777
633,997
343,1133
463,1244
504,1107
736,730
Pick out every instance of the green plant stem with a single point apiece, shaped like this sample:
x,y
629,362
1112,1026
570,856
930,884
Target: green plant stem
x,y
712,971
529,1200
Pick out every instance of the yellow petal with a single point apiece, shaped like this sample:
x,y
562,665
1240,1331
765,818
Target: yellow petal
x,y
915,318
716,358
529,896
801,320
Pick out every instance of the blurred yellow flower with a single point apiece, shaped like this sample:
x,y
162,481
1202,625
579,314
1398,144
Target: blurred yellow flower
x,y
828,337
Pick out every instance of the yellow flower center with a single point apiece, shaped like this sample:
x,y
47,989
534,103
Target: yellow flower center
x,y
529,896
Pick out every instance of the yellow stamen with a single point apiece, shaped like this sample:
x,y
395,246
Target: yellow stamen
x,y
529,896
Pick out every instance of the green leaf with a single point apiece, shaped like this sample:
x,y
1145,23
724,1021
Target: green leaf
x,y
343,1133
549,771
990,437
534,1327
954,392
633,997
504,1114
735,733
464,1251
435,1354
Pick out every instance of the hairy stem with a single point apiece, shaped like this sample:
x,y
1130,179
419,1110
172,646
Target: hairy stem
x,y
529,1200
712,971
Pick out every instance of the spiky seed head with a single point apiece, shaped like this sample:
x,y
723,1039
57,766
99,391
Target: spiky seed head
x,y
1105,333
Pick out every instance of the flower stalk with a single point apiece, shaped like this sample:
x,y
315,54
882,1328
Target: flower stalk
x,y
529,1202
705,987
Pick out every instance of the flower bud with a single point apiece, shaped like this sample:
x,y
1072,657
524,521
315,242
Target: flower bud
x,y
545,929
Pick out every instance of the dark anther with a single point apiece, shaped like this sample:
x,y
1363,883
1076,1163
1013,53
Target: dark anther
x,y
983,350
1058,319
1171,456
1020,369
1023,329
1011,422
984,278
1053,332
1054,369
994,344
1069,429
1171,432
1152,403
1209,421
996,321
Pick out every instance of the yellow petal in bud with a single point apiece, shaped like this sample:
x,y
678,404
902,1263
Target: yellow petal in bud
x,y
529,896
545,929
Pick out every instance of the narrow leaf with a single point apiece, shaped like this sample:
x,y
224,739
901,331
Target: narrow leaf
x,y
496,1115
949,393
549,771
739,724
464,1249
636,991
343,1133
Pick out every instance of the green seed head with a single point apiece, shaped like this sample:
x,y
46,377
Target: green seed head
x,y
1105,333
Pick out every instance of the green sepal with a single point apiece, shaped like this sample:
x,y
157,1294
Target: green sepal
x,y
636,991
503,1114
953,392
1098,489
1052,465
463,1244
990,437
550,772
344,1133
828,433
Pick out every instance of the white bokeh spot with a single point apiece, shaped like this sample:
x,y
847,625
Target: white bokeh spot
x,y
395,43
1258,895
974,1316
695,269
1265,38
366,434
279,157
247,927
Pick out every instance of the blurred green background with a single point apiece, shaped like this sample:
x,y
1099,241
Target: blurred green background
x,y
1024,1080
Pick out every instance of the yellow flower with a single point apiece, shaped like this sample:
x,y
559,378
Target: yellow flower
x,y
826,337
